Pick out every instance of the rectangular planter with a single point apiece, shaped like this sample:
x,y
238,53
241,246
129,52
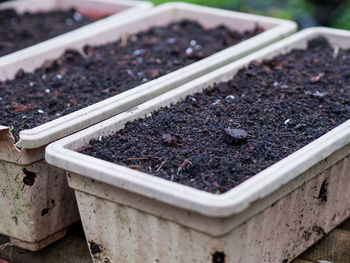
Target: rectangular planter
x,y
30,217
95,9
130,216
35,216
28,60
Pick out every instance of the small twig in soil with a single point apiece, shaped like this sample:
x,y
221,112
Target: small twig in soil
x,y
335,52
161,165
135,159
3,246
6,44
123,40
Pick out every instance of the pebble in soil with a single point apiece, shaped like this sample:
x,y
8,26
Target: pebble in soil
x,y
19,31
219,138
75,81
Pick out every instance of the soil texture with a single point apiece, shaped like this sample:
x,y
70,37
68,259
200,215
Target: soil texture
x,y
217,139
78,80
19,31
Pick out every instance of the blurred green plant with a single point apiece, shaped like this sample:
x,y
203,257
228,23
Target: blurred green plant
x,y
335,13
340,17
214,3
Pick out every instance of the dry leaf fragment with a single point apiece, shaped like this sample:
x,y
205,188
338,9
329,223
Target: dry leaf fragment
x,y
317,78
18,107
153,73
136,167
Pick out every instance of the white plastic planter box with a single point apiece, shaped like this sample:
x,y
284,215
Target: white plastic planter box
x,y
162,15
131,216
35,216
115,9
29,216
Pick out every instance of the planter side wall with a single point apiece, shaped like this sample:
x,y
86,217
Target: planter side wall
x,y
35,201
35,216
278,234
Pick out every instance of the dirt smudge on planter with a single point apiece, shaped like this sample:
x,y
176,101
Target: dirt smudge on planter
x,y
322,196
29,178
45,211
75,81
219,257
273,101
94,248
21,31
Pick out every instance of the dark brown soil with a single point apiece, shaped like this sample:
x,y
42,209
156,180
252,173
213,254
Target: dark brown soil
x,y
76,81
276,106
20,31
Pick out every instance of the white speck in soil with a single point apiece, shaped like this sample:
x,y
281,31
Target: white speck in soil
x,y
139,52
275,84
31,84
193,43
48,91
58,76
230,97
43,77
319,94
287,121
13,21
69,22
189,51
130,73
100,138
77,16
216,102
171,41
193,99
40,111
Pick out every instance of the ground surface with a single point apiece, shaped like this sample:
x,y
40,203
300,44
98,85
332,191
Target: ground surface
x,y
335,248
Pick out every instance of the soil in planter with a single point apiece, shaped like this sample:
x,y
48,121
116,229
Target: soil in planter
x,y
75,81
20,31
215,140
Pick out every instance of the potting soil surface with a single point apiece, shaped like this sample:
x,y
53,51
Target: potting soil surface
x,y
23,30
78,80
215,140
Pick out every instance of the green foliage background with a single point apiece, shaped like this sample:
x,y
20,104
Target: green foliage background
x,y
335,13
